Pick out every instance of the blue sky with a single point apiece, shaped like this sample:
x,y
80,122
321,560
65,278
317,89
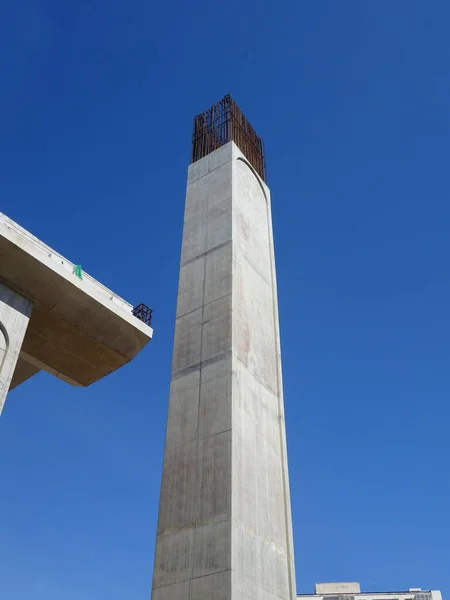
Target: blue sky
x,y
352,99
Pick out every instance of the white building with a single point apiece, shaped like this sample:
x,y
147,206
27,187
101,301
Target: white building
x,y
352,591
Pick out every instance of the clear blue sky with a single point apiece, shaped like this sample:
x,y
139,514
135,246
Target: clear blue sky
x,y
352,99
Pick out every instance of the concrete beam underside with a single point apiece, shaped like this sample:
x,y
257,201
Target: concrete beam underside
x,y
23,371
224,527
78,330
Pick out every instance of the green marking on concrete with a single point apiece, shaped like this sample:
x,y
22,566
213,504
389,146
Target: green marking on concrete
x,y
78,272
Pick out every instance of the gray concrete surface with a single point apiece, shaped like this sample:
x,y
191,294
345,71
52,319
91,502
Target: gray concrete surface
x,y
79,330
15,314
224,527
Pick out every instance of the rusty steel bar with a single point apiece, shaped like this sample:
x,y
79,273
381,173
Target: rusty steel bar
x,y
222,123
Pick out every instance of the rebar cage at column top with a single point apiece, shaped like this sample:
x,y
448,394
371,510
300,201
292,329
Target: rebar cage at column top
x,y
223,123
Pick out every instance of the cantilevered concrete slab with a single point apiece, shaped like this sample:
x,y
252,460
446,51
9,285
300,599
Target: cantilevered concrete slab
x,y
50,319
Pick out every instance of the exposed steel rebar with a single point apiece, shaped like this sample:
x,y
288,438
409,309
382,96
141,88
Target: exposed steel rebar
x,y
223,123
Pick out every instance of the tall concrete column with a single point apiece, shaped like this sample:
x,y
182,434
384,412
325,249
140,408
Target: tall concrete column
x,y
15,313
224,527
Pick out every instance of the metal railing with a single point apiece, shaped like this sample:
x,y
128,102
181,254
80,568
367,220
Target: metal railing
x,y
143,313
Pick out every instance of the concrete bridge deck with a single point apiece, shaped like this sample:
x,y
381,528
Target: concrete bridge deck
x,y
50,319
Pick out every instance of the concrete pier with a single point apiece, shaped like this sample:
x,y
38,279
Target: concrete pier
x,y
224,527
15,314
50,319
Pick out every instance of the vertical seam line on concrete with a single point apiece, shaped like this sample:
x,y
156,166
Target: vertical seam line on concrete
x,y
232,359
197,458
